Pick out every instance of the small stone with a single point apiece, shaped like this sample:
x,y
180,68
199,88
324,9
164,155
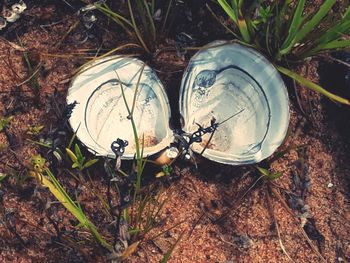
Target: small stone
x,y
330,185
158,15
19,7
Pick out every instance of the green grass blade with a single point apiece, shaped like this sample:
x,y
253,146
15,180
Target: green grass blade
x,y
280,18
136,90
141,8
311,85
140,210
172,248
78,153
333,45
332,34
235,14
71,155
62,196
243,29
137,143
267,40
59,187
149,17
153,6
241,20
167,14
73,138
315,20
221,23
46,145
229,10
119,19
347,14
137,146
337,44
137,31
293,28
90,163
143,143
2,176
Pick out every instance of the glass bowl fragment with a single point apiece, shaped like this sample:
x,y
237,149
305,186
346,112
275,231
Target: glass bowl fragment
x,y
225,83
243,92
100,115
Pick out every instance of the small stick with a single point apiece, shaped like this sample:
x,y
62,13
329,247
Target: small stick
x,y
270,207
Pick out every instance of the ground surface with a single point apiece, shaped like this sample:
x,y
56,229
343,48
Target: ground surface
x,y
315,183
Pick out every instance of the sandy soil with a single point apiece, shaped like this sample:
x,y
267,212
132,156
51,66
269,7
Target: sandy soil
x,y
309,203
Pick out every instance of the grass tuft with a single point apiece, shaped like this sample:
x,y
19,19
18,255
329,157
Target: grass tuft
x,y
307,34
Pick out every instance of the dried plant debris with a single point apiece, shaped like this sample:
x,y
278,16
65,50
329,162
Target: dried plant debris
x,y
313,233
297,199
241,241
88,21
300,187
183,41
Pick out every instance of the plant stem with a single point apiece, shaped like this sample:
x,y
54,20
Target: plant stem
x,y
312,85
61,195
137,31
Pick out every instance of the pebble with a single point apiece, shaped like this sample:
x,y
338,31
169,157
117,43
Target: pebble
x,y
330,185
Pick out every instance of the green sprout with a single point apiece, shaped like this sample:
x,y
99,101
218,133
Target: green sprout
x,y
35,129
2,177
78,159
166,171
42,173
4,122
269,175
264,15
3,147
286,32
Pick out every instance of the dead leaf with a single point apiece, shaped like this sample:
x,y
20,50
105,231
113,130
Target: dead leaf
x,y
130,250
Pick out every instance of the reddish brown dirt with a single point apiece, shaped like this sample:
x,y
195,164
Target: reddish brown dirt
x,y
198,197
